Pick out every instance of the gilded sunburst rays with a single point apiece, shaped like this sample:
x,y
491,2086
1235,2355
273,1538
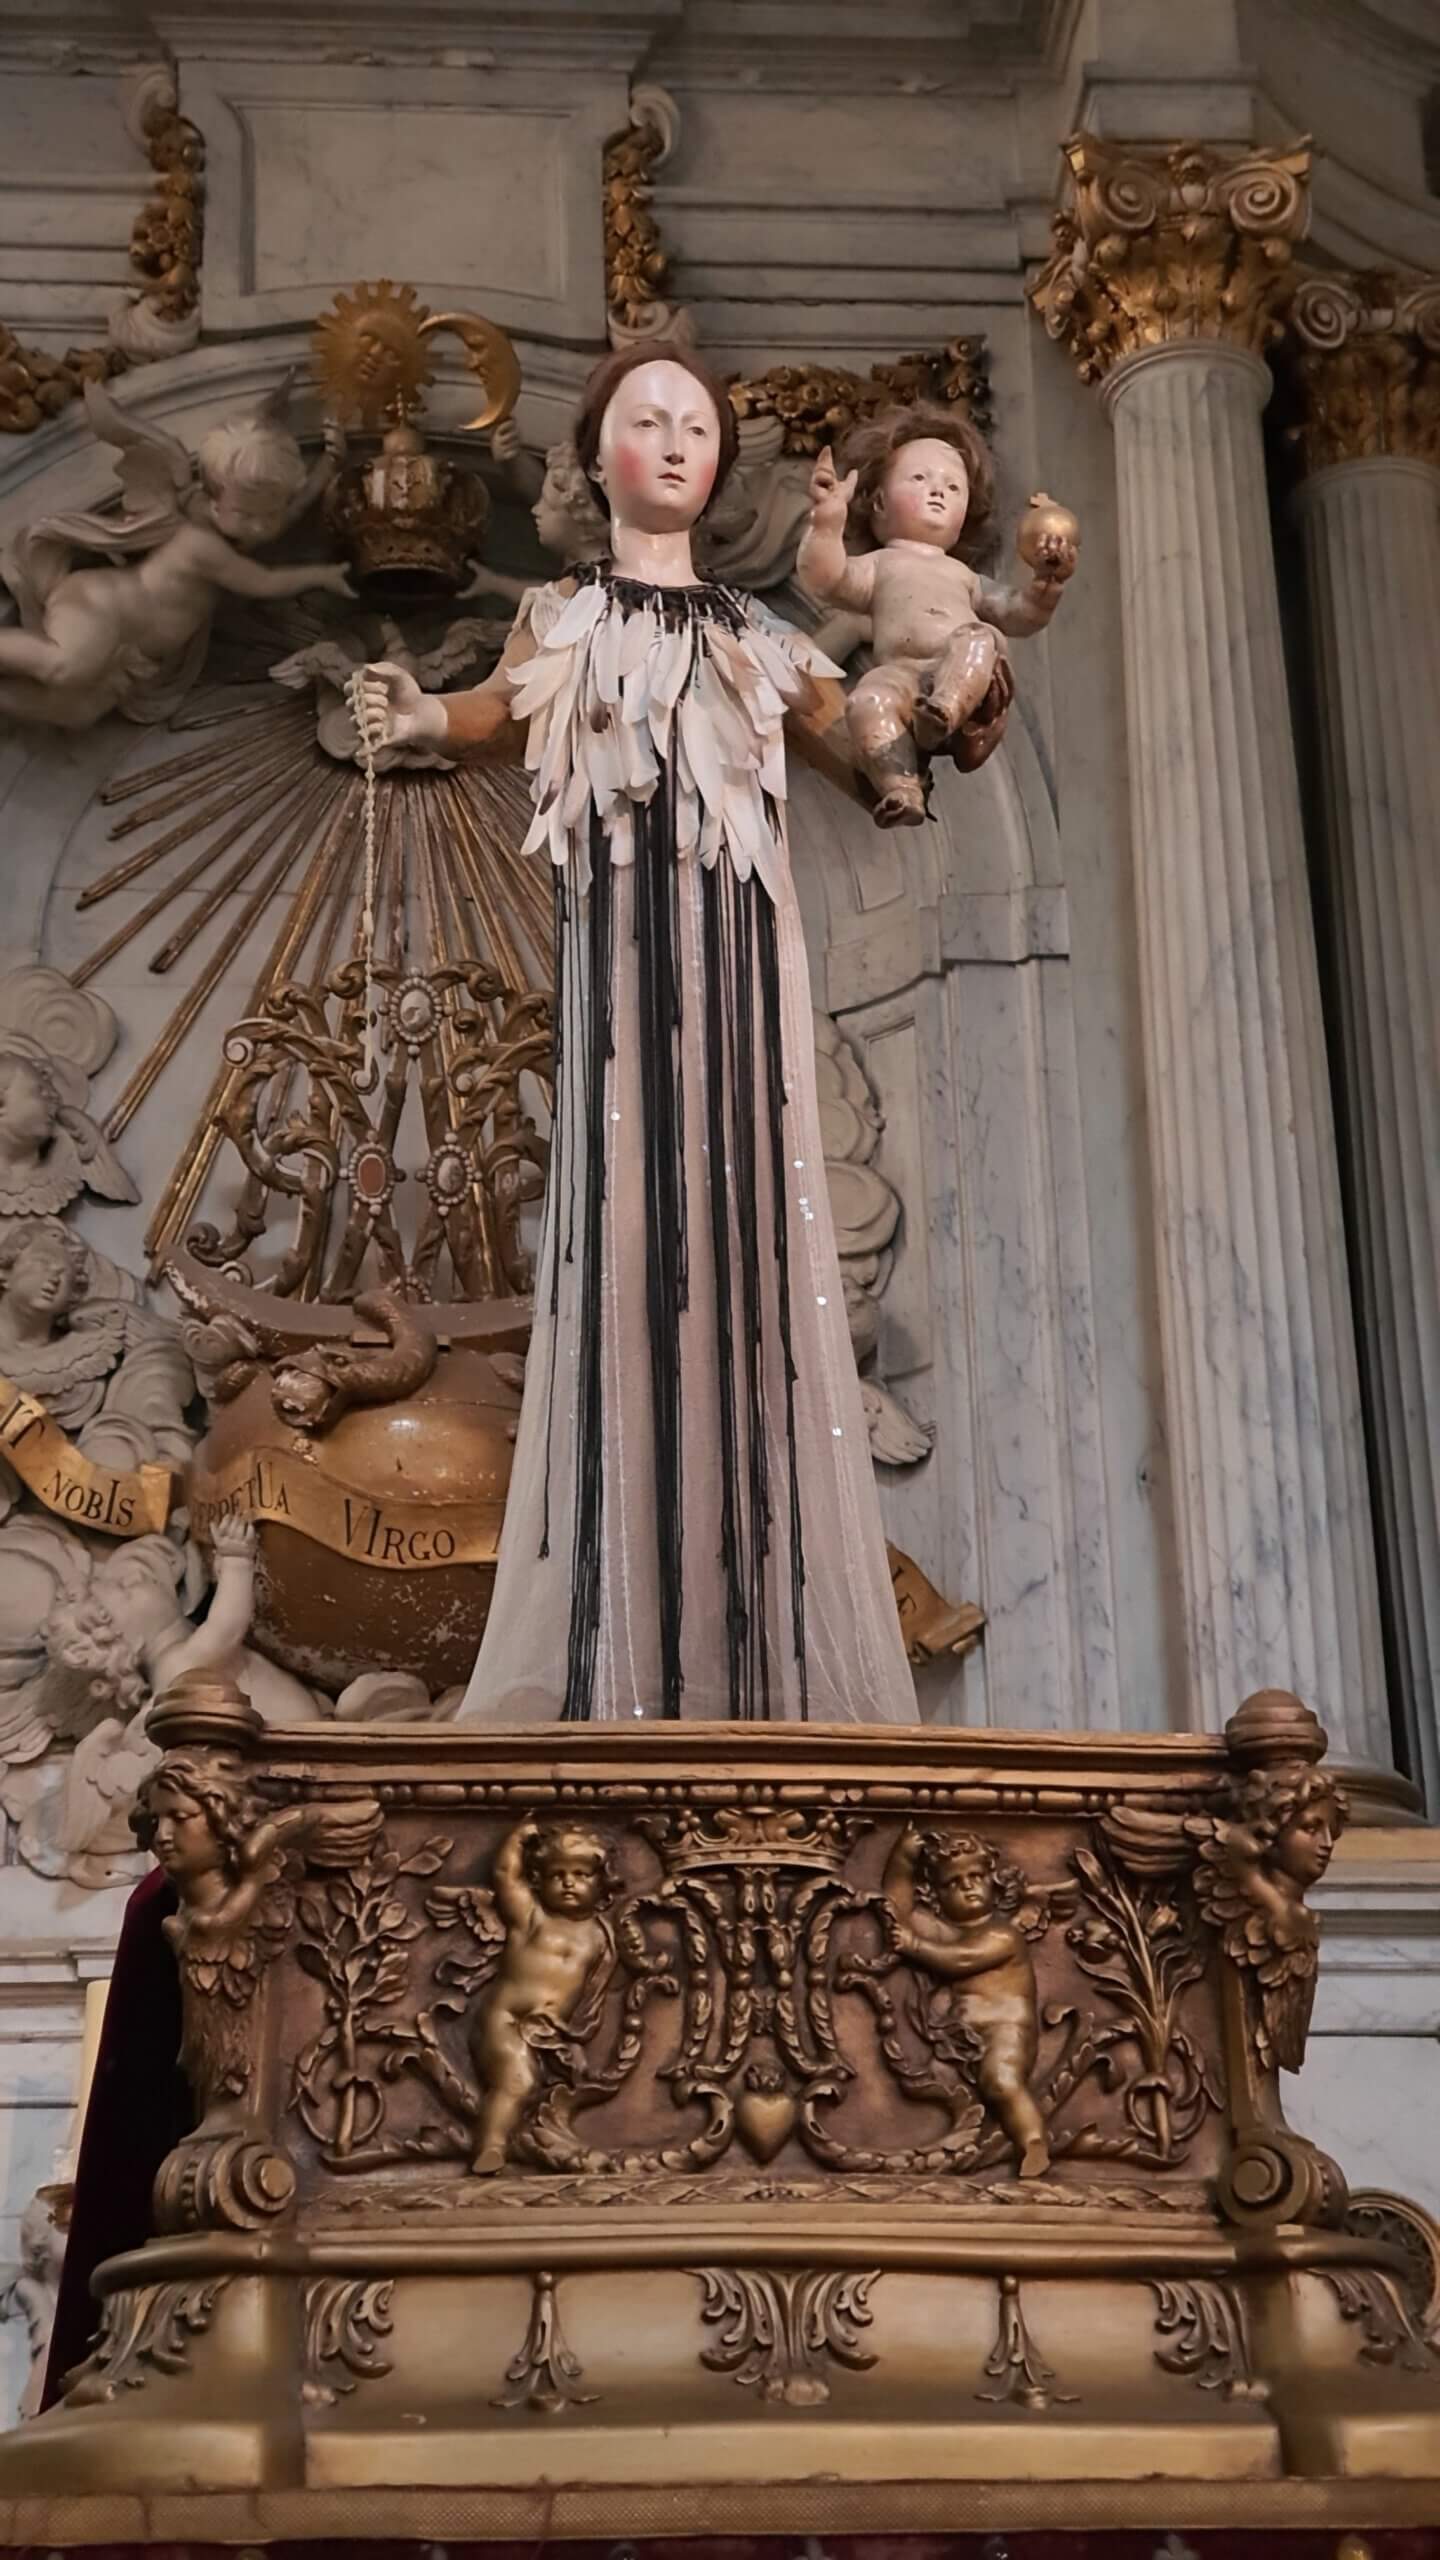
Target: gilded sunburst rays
x,y
258,818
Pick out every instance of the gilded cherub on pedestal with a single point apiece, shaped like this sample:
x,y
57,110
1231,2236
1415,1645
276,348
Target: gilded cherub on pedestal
x,y
551,1886
962,1912
133,638
916,480
228,1860
1253,1869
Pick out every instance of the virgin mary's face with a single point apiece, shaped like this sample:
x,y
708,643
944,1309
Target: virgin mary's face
x,y
659,448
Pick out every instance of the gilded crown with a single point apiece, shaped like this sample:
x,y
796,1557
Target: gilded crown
x,y
411,522
752,1836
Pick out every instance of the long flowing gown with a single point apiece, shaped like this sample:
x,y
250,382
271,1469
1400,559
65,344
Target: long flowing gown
x,y
692,1525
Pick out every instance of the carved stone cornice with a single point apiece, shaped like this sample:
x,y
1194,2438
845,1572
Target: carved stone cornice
x,y
1166,245
1364,356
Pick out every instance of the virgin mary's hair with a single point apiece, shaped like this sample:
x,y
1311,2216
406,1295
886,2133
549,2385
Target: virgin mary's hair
x,y
605,381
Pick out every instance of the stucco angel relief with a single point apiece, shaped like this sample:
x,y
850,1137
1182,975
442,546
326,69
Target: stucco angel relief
x,y
131,636
50,1148
113,1630
116,1379
326,666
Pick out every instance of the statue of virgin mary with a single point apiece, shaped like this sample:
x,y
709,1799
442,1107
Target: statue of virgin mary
x,y
692,1526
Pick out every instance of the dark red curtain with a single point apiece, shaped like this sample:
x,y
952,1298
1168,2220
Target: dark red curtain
x,y
139,2109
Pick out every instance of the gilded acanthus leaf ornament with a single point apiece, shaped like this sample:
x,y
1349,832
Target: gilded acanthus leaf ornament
x,y
346,2322
780,2329
818,404
545,2372
36,386
1161,246
637,269
163,315
1205,2332
1364,353
1015,2365
1375,2303
145,2330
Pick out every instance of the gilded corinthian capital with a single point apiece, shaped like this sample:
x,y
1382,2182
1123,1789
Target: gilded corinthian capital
x,y
1364,352
1160,245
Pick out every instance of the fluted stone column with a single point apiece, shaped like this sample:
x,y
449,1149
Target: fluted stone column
x,y
1163,283
1366,351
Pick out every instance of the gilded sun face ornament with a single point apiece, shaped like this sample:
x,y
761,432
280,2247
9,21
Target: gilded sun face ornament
x,y
374,356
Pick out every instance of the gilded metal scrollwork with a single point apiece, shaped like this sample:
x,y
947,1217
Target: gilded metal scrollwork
x,y
1208,2337
144,2331
1374,2301
543,1977
544,2373
346,2320
1015,2363
779,2328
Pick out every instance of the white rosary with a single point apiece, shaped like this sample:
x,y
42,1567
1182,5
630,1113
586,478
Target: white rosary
x,y
370,741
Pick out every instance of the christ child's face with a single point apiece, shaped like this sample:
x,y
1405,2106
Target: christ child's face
x,y
659,449
1306,1845
965,1889
925,494
570,1877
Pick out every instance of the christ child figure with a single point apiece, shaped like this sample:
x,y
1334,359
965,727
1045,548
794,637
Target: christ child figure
x,y
958,1910
551,1887
916,481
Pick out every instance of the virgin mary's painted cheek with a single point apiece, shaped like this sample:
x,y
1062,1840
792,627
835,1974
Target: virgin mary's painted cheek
x,y
632,468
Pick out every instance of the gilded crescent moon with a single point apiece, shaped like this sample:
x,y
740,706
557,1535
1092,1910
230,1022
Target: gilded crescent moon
x,y
492,360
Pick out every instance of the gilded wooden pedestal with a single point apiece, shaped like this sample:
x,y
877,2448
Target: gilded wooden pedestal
x,y
736,2129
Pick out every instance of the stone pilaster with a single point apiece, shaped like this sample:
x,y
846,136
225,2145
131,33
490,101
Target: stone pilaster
x,y
1364,353
1167,281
